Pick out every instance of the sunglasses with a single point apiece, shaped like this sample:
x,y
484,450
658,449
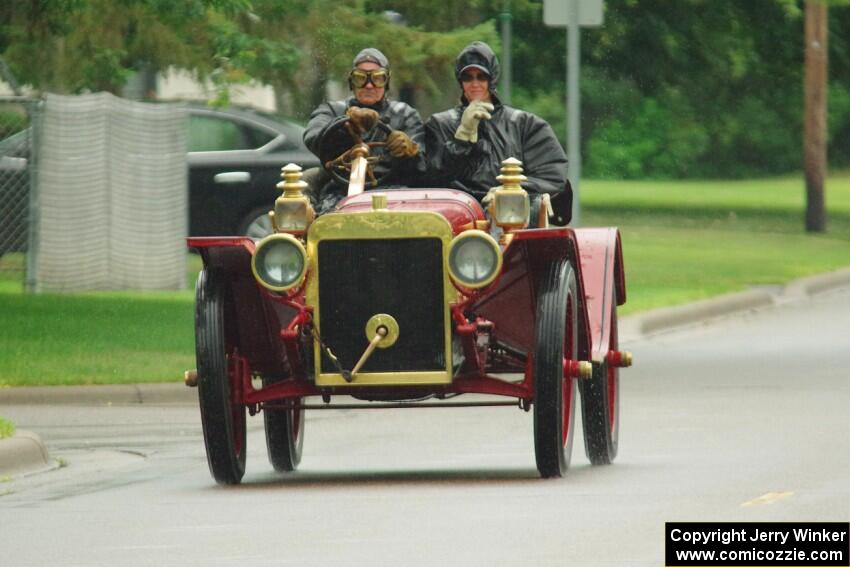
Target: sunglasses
x,y
479,77
378,77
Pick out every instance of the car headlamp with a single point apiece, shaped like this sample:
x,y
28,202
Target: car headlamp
x,y
474,259
279,262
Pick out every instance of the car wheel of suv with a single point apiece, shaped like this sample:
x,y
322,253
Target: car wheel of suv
x,y
284,435
223,421
256,224
556,340
600,406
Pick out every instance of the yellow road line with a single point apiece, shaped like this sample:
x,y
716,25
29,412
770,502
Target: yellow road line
x,y
768,498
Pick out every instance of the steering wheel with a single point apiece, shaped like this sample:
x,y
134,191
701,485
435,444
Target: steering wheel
x,y
340,167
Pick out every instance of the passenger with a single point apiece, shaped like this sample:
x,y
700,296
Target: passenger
x,y
466,144
369,80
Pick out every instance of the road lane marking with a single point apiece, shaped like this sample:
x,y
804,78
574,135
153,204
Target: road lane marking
x,y
768,498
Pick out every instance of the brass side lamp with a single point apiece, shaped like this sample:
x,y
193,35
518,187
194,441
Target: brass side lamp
x,y
510,206
293,212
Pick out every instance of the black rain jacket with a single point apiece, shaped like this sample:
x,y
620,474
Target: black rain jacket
x,y
509,133
397,115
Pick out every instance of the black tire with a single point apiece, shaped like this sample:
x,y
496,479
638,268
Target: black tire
x,y
256,224
556,338
223,422
284,436
600,406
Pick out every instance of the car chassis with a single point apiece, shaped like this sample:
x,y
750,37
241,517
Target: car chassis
x,y
408,298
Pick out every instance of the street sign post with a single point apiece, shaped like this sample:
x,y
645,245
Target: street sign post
x,y
573,14
556,13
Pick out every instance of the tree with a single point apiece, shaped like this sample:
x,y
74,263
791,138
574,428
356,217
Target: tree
x,y
71,46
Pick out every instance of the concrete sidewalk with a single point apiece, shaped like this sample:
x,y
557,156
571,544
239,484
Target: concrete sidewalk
x,y
24,453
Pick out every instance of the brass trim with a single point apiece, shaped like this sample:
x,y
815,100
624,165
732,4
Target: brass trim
x,y
379,201
386,379
511,177
380,225
289,238
292,186
389,323
489,240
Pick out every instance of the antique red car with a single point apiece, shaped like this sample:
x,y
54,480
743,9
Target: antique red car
x,y
408,298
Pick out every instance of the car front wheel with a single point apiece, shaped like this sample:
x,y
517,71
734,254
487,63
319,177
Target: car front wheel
x,y
556,340
223,421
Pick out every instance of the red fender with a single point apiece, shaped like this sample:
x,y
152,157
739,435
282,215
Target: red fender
x,y
601,260
255,322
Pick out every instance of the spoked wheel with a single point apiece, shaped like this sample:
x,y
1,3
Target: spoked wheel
x,y
556,340
284,435
223,421
600,406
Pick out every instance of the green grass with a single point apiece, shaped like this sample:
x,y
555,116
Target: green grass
x,y
682,241
95,338
7,428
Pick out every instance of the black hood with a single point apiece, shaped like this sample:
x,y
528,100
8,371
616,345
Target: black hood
x,y
480,55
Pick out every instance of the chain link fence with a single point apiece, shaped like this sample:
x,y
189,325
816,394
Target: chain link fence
x,y
17,179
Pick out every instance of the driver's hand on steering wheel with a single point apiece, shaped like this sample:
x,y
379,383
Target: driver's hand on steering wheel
x,y
362,119
400,145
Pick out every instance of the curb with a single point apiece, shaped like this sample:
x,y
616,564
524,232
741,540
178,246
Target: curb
x,y
107,394
666,319
23,453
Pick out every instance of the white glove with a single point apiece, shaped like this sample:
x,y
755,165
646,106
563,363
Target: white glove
x,y
477,111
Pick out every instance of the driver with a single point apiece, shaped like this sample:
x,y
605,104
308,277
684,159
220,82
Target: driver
x,y
369,80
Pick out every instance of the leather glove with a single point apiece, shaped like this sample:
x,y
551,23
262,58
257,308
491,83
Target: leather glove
x,y
362,119
475,112
400,145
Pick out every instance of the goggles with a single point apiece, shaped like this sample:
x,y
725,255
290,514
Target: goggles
x,y
359,78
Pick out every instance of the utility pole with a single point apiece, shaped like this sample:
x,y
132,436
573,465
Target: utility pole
x,y
815,94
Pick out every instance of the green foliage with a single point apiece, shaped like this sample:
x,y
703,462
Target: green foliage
x,y
669,89
12,122
71,46
7,428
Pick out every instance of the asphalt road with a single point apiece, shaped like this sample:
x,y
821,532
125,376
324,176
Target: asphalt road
x,y
741,419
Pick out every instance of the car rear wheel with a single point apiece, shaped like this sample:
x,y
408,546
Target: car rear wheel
x,y
600,406
256,224
223,421
284,435
556,340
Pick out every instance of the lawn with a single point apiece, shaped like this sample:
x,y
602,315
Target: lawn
x,y
7,428
682,241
